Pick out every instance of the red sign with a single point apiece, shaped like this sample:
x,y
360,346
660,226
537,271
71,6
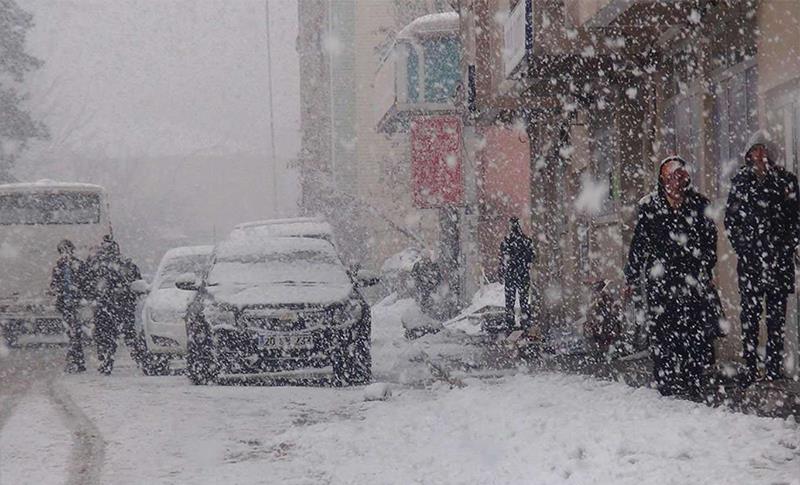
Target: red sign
x,y
436,161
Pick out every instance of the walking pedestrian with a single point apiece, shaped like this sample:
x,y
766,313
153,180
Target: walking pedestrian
x,y
115,303
761,221
674,249
516,256
66,283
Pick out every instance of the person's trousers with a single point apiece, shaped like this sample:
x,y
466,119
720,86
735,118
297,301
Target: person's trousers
x,y
682,354
514,287
753,299
105,338
76,361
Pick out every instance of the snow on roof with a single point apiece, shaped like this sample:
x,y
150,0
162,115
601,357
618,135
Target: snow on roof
x,y
235,248
289,229
188,251
429,24
50,185
273,222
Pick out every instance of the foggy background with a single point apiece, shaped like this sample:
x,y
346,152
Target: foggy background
x,y
165,103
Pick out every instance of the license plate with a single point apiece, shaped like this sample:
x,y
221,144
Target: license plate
x,y
285,341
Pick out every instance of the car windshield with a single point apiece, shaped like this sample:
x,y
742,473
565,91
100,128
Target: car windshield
x,y
177,266
303,267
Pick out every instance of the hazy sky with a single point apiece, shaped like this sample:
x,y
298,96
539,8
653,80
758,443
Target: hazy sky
x,y
163,77
164,102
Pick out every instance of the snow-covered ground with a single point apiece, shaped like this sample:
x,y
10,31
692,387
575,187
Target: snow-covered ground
x,y
542,429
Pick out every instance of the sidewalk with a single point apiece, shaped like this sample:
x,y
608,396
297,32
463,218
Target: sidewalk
x,y
781,399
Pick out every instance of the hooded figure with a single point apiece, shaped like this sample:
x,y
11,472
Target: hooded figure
x,y
674,249
516,256
66,282
111,278
761,221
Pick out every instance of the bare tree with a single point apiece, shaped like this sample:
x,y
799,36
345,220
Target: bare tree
x,y
17,126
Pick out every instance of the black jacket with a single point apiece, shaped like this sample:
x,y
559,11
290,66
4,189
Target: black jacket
x,y
516,256
66,281
761,220
674,249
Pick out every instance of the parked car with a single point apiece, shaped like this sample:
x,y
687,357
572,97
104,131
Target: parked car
x,y
163,312
313,227
278,308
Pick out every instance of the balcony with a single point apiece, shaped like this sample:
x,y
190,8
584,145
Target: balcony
x,y
421,73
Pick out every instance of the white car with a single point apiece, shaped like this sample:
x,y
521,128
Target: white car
x,y
164,308
313,227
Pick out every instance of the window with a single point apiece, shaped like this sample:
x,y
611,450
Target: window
x,y
412,74
735,120
49,208
604,155
442,68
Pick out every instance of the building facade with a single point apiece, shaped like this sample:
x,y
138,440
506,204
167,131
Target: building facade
x,y
606,88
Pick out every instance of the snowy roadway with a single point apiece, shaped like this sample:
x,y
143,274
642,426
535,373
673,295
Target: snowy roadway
x,y
519,428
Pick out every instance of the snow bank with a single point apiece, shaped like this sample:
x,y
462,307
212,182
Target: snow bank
x,y
378,391
489,298
545,429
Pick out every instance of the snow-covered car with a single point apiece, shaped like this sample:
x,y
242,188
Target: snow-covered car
x,y
162,316
313,227
278,308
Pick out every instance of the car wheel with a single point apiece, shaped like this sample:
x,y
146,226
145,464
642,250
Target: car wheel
x,y
153,364
11,331
352,364
201,364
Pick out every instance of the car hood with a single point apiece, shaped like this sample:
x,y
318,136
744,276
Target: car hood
x,y
279,294
169,299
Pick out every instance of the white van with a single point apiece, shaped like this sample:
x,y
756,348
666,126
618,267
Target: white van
x,y
34,217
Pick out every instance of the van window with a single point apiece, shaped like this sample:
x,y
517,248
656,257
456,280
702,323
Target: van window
x,y
50,208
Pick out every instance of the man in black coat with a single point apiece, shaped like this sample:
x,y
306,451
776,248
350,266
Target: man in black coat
x,y
66,284
761,220
674,249
111,277
516,256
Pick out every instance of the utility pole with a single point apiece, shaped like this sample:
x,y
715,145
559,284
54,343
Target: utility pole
x,y
275,211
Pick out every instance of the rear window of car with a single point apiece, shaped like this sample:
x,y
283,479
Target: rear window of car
x,y
174,267
50,208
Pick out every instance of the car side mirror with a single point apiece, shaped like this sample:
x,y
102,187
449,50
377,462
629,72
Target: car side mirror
x,y
140,287
187,282
366,278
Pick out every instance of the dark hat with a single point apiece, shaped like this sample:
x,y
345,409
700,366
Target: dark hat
x,y
65,245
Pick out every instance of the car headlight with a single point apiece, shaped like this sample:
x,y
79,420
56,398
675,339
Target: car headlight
x,y
217,317
349,313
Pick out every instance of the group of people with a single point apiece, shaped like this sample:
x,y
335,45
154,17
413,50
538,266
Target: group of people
x,y
104,283
673,254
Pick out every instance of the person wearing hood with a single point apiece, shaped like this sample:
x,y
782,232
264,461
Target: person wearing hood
x,y
761,221
516,256
66,281
115,302
674,249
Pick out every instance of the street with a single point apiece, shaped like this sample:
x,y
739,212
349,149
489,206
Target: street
x,y
507,428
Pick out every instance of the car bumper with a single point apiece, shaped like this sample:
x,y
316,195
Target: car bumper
x,y
166,338
239,352
304,375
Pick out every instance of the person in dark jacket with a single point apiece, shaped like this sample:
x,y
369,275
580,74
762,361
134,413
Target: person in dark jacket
x,y
66,284
761,220
674,249
516,256
111,277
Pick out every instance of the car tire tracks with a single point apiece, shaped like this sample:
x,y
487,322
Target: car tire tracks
x,y
88,446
